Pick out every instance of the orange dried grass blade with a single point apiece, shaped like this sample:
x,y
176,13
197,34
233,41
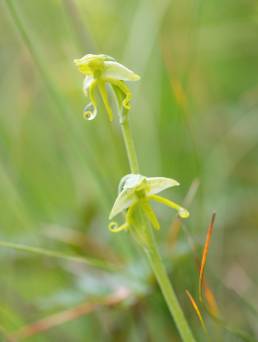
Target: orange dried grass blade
x,y
204,255
71,314
212,306
211,301
197,310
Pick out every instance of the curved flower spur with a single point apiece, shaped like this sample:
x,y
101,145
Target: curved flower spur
x,y
100,70
137,191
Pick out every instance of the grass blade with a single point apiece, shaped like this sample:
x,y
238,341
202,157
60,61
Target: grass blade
x,y
55,254
197,310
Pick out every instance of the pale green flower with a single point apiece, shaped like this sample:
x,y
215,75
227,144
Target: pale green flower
x,y
100,70
137,190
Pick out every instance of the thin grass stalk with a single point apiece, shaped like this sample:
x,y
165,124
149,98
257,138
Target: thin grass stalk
x,y
58,100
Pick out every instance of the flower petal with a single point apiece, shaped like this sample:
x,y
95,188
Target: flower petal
x,y
83,64
151,215
90,110
105,99
90,63
107,57
123,201
182,212
118,71
127,196
122,87
87,83
158,184
131,181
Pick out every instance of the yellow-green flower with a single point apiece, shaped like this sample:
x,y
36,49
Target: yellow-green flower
x,y
99,71
137,190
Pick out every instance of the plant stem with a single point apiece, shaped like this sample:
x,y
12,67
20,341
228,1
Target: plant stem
x,y
169,293
151,248
129,143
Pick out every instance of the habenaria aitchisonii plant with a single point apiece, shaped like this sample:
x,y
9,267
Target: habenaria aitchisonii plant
x,y
135,191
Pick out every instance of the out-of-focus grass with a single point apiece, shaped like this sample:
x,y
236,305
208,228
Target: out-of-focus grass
x,y
194,116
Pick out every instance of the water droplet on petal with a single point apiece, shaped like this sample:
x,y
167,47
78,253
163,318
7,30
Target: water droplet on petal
x,y
183,213
89,112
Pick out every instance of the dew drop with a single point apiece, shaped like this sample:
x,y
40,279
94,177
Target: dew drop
x,y
89,112
183,213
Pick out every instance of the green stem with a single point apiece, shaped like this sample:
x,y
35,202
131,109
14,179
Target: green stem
x,y
129,143
145,237
169,293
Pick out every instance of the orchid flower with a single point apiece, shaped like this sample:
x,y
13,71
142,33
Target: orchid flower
x,y
99,71
136,190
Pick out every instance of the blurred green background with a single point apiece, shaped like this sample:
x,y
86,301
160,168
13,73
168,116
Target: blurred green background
x,y
194,118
